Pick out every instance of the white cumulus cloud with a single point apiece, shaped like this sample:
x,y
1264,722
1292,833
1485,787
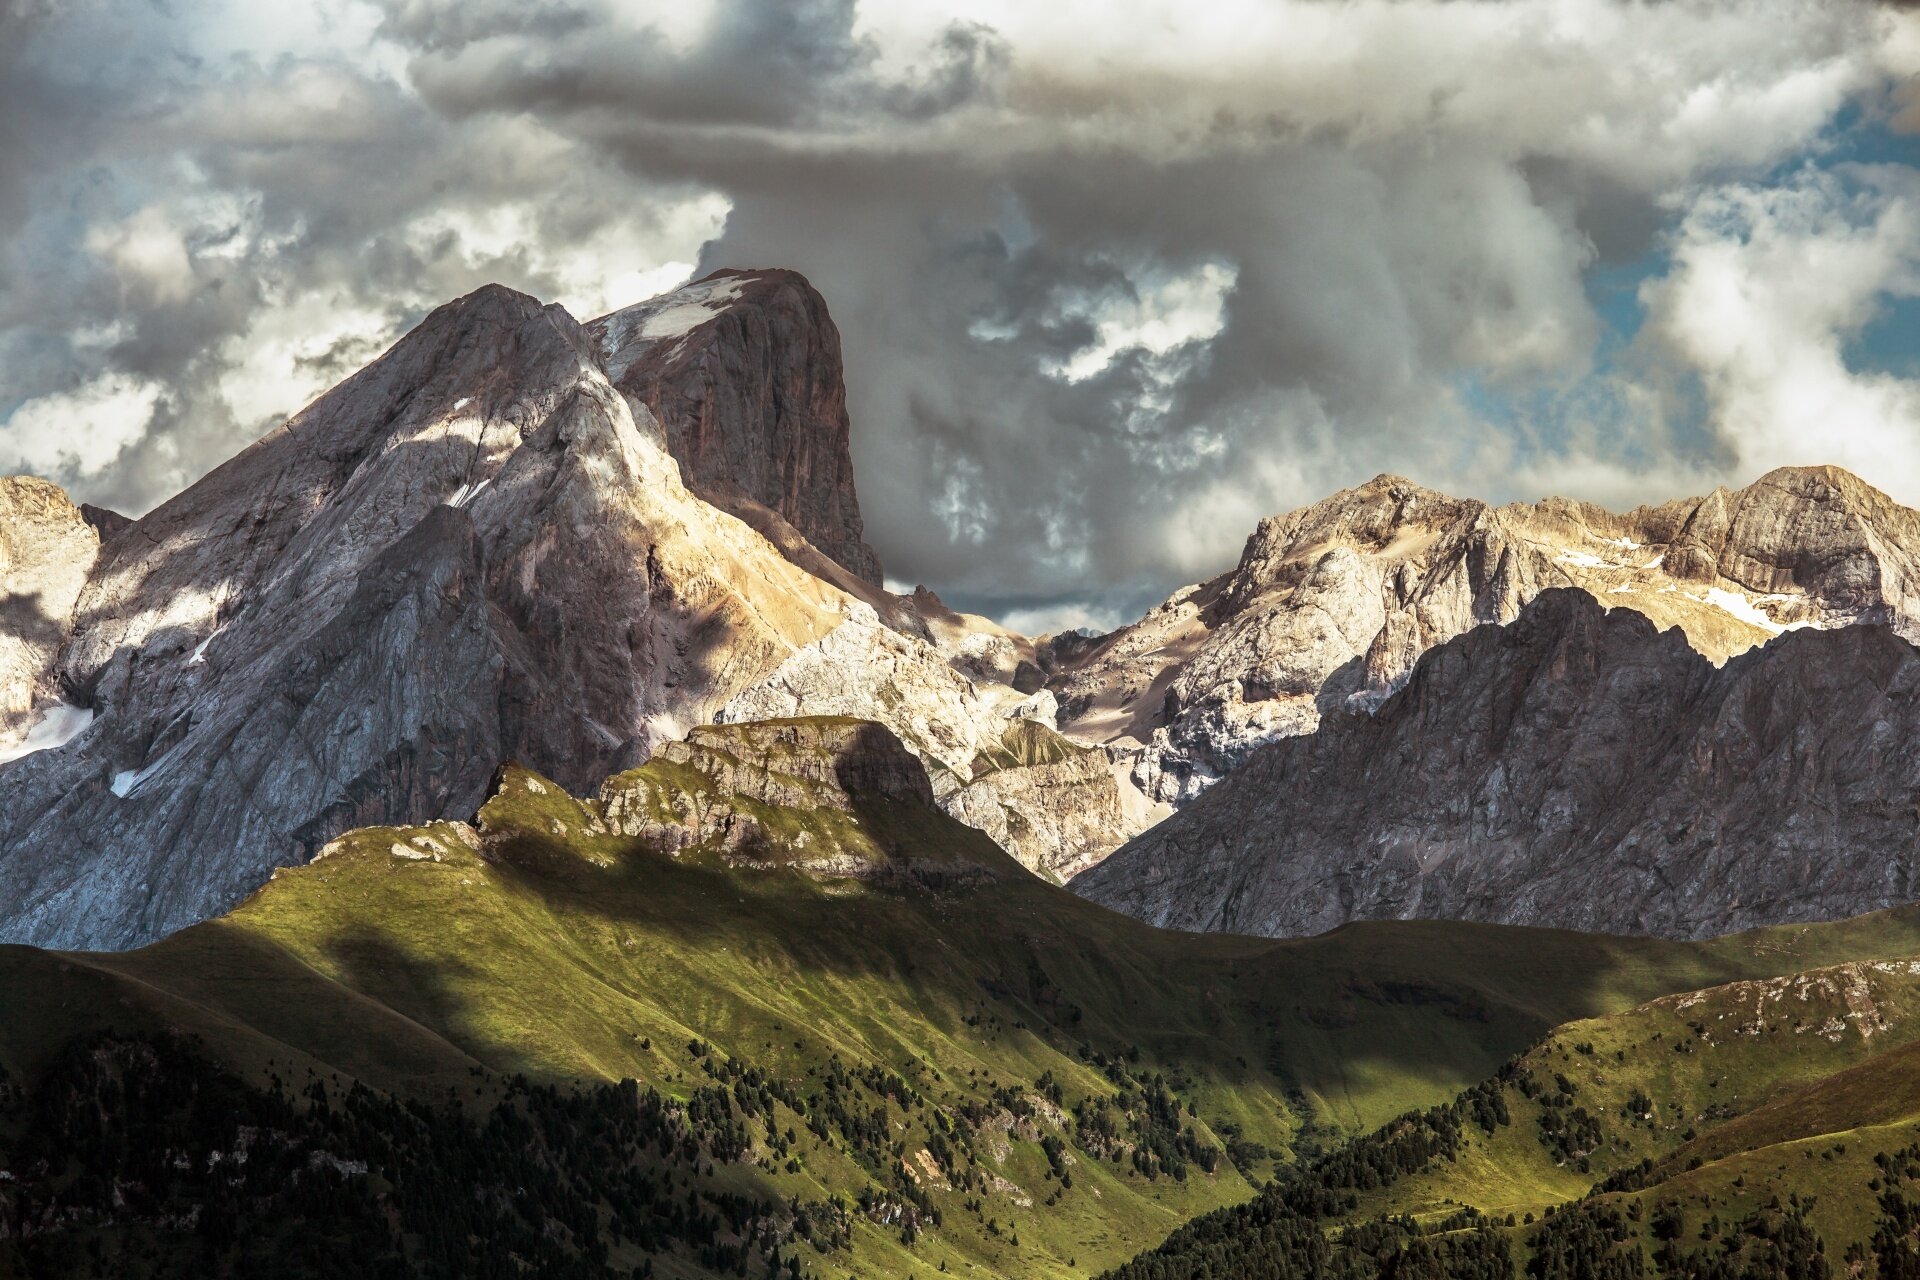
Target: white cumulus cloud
x,y
79,432
1768,285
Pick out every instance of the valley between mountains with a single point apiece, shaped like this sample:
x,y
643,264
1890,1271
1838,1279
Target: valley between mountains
x,y
503,823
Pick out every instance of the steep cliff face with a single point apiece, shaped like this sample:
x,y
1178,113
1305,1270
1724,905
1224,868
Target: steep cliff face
x,y
47,547
1331,605
742,369
471,551
1575,768
1057,805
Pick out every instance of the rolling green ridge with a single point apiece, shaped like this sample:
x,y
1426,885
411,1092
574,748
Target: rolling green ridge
x,y
936,1061
1762,1127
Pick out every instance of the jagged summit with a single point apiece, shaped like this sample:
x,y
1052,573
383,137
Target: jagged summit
x,y
1331,604
470,551
743,371
1578,767
478,548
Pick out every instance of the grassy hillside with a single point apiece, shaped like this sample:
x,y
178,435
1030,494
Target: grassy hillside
x,y
936,1061
1762,1127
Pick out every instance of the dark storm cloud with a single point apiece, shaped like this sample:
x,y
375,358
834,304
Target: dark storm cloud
x,y
766,63
1370,263
1111,290
198,244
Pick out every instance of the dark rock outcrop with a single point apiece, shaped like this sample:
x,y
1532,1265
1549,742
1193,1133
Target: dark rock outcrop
x,y
1576,768
804,794
742,369
105,521
814,760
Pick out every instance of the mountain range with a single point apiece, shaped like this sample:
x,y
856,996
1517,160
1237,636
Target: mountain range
x,y
503,821
1331,605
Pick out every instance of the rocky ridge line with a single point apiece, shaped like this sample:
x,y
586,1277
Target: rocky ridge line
x,y
1331,605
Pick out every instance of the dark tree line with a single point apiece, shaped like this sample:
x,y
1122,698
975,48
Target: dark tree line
x,y
138,1157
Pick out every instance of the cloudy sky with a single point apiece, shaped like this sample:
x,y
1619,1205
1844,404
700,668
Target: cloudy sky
x,y
1115,278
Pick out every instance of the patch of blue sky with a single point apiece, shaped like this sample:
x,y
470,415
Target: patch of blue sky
x,y
1858,137
1540,423
1890,342
1613,291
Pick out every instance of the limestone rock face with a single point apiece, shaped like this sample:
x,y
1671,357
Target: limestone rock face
x,y
996,761
1576,768
47,548
743,371
1057,805
471,551
1330,606
867,670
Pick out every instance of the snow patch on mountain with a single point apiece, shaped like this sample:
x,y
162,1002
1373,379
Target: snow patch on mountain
x,y
57,726
629,332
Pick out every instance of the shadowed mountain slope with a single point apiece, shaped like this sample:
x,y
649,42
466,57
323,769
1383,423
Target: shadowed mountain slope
x,y
1574,768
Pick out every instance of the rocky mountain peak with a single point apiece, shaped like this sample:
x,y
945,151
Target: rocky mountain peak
x,y
743,371
478,548
472,550
1331,605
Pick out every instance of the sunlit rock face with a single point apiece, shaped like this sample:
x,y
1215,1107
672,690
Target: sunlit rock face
x,y
1331,605
1576,767
996,760
47,548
